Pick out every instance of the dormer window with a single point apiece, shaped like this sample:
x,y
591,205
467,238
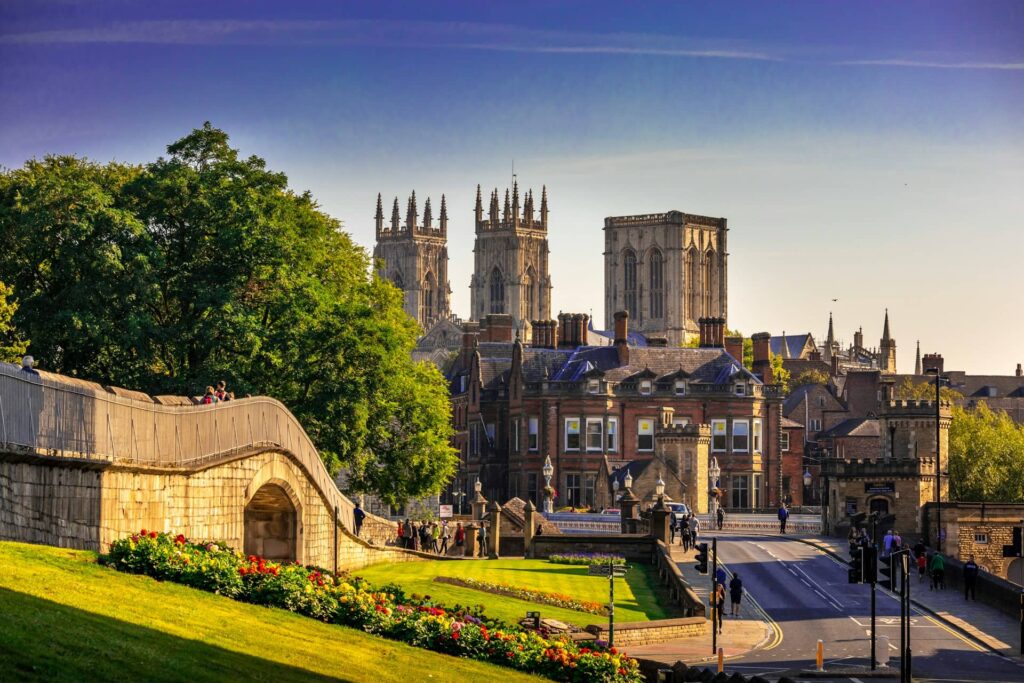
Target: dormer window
x,y
646,387
680,387
741,389
594,386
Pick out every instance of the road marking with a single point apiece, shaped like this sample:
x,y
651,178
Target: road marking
x,y
805,583
856,680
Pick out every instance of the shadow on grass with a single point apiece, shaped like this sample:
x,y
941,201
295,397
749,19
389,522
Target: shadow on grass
x,y
43,640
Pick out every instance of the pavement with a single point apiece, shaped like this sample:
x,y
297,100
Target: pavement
x,y
995,630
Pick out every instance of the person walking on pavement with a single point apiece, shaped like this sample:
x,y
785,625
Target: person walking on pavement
x,y
721,517
694,525
719,604
684,535
938,569
922,565
783,516
735,594
672,527
481,537
970,577
887,543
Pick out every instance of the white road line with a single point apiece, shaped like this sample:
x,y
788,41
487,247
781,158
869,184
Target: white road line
x,y
856,622
805,583
855,680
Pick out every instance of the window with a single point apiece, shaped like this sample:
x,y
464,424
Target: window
x,y
755,492
680,421
821,401
532,487
680,388
657,285
980,537
785,441
497,292
612,434
529,281
594,386
741,491
490,433
572,434
741,390
815,425
474,439
718,437
757,435
573,490
514,441
590,490
629,282
595,437
645,435
740,436
533,441
646,386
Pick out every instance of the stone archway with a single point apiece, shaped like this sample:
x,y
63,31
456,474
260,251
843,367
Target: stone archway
x,y
1015,572
272,524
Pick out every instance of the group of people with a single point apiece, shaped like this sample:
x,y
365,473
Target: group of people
x,y
930,563
687,528
735,595
430,536
217,395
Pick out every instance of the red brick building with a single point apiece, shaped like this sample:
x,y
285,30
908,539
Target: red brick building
x,y
515,404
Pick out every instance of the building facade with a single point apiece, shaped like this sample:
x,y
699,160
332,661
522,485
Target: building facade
x,y
510,259
667,270
414,256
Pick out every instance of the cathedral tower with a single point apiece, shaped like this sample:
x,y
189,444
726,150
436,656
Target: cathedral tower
x,y
414,256
887,349
510,259
668,270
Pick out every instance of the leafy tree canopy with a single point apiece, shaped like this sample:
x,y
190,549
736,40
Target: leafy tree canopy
x,y
11,347
986,456
925,391
780,375
810,377
202,266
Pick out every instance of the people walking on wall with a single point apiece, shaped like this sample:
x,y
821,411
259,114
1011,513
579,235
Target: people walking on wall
x,y
407,533
414,537
401,534
736,593
209,397
460,535
359,516
425,543
721,517
445,535
222,391
970,577
937,565
783,516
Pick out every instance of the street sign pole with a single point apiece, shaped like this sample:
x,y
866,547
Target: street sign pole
x,y
872,625
713,596
611,604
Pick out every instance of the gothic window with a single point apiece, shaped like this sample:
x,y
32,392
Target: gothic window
x,y
629,281
428,298
529,284
497,292
657,284
397,279
709,277
693,285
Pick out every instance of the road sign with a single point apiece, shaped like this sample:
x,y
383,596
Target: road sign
x,y
616,570
444,511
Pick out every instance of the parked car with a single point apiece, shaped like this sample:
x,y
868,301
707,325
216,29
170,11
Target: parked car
x,y
679,511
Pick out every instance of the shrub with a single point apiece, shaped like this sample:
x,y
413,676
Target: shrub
x,y
586,558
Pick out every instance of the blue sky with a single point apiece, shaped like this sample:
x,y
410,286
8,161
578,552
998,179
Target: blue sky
x,y
871,152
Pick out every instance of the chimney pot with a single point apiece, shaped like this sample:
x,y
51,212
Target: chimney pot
x,y
622,336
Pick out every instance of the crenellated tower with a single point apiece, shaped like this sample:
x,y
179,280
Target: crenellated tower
x,y
414,256
510,257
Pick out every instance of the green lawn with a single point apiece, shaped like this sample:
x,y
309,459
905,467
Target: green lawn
x,y
635,598
65,618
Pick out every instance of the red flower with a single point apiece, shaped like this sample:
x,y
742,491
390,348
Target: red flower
x,y
180,539
243,571
152,534
145,533
455,635
613,651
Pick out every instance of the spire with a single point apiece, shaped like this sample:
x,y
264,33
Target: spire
x,y
443,218
379,216
515,203
830,341
917,361
507,213
428,215
544,207
528,209
494,209
785,346
885,330
395,217
479,209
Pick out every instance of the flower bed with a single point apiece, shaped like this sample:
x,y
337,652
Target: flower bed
x,y
541,597
350,601
586,558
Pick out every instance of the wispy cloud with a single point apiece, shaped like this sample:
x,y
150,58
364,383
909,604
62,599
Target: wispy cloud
x,y
918,64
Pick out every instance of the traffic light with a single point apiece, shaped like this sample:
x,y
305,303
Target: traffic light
x,y
870,572
856,571
888,571
702,558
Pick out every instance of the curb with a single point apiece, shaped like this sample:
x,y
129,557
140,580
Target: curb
x,y
850,673
935,615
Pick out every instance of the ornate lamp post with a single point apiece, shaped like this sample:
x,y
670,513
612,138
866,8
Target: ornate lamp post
x,y
807,485
548,470
629,482
615,492
714,471
659,489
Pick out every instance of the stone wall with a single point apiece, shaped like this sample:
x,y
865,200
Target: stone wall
x,y
636,633
49,505
981,529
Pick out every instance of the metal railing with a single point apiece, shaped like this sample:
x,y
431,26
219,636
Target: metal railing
x,y
53,416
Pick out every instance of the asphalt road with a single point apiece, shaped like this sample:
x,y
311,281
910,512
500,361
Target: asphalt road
x,y
806,593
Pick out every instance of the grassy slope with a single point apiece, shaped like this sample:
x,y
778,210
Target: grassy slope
x,y
635,599
65,618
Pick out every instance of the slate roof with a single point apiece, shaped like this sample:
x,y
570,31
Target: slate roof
x,y
796,397
794,342
976,386
791,424
858,426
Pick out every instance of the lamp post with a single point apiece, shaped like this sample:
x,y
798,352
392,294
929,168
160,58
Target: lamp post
x,y
628,481
938,457
548,470
714,471
807,484
615,492
659,489
459,496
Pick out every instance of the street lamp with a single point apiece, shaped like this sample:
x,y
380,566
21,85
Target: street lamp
x,y
807,478
458,496
939,379
659,488
615,492
629,482
548,470
714,472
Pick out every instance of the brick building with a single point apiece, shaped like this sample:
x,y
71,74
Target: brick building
x,y
516,404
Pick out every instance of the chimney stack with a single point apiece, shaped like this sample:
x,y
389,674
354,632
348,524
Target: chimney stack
x,y
932,361
470,337
762,356
1020,372
712,332
734,345
622,336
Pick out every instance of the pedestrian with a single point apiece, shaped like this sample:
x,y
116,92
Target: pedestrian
x,y
481,537
970,577
922,564
684,535
887,543
720,576
435,536
401,534
783,516
694,529
938,569
445,534
222,393
209,397
414,536
359,516
735,593
719,603
460,535
721,517
673,525
425,541
408,534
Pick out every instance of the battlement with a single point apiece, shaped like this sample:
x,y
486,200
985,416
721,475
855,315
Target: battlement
x,y
915,407
515,216
669,217
694,431
412,228
869,467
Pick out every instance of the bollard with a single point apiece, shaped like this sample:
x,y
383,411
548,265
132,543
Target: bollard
x,y
820,657
883,647
721,660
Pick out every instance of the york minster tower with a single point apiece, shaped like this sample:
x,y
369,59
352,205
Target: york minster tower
x,y
510,259
414,256
668,270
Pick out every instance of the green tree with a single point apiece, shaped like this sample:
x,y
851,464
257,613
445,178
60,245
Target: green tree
x,y
203,266
925,391
11,347
780,375
810,377
986,456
